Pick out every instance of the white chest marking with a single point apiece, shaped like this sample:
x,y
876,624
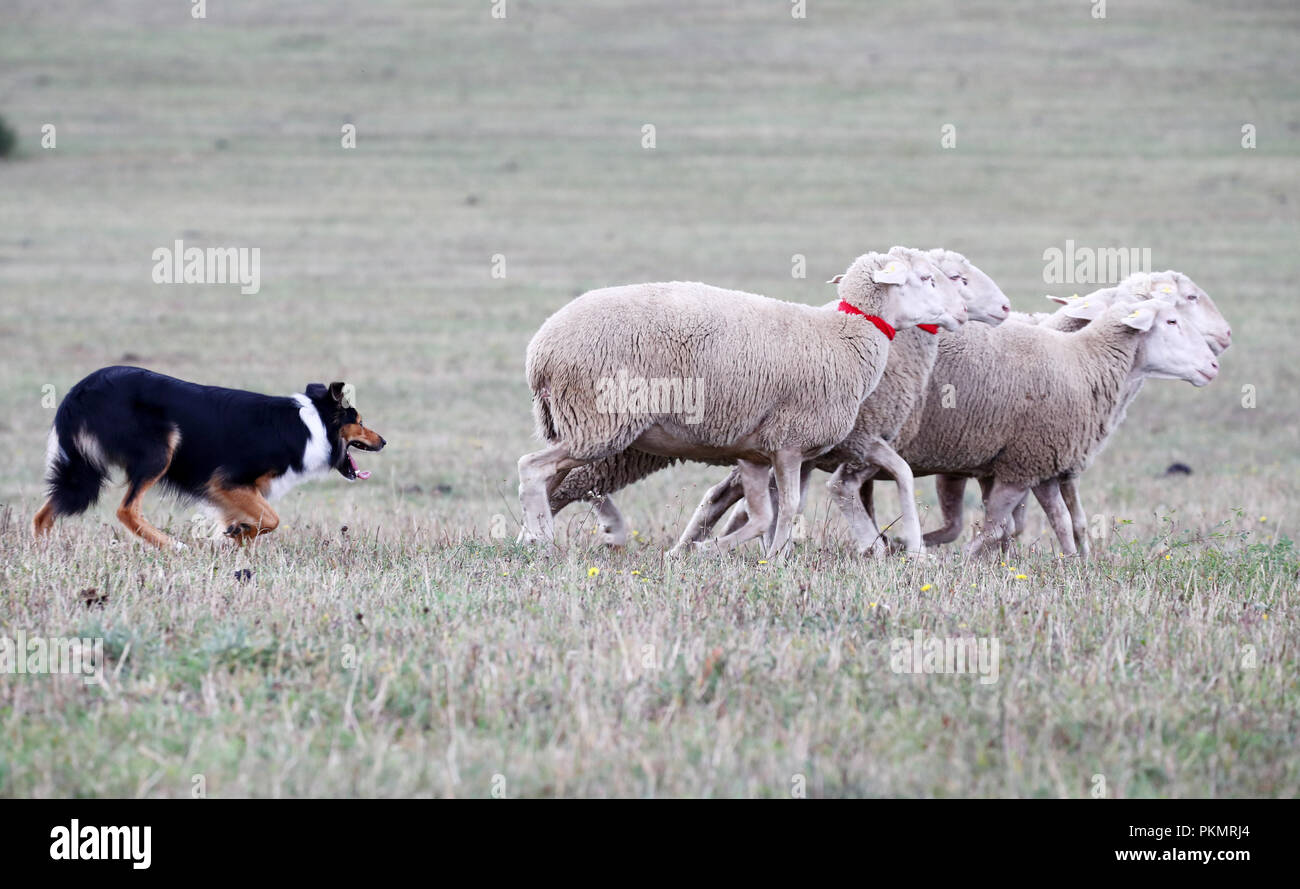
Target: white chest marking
x,y
315,456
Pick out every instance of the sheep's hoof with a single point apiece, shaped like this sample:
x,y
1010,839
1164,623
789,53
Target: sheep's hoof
x,y
706,547
934,538
678,551
616,537
899,546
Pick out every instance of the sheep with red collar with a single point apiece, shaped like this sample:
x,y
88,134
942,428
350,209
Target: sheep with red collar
x,y
868,449
902,385
781,382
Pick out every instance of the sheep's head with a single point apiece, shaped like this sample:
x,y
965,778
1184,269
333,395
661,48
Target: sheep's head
x,y
1135,288
1198,308
985,301
1194,306
925,266
901,288
1172,348
1086,308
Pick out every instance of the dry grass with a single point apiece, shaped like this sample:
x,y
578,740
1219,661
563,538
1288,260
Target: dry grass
x,y
523,138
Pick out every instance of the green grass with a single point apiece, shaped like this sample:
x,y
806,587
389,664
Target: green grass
x,y
473,658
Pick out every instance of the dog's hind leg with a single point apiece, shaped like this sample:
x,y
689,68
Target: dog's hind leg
x,y
129,514
43,523
142,474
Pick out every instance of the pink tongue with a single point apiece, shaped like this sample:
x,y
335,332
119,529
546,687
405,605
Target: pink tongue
x,y
363,475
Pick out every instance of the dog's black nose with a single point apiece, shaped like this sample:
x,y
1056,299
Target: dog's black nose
x,y
382,442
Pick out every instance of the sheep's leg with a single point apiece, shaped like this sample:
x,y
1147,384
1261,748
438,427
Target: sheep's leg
x,y
887,458
1002,499
717,500
868,498
1048,495
1015,522
613,528
1018,516
753,479
950,490
805,472
739,516
787,466
1078,518
846,487
537,474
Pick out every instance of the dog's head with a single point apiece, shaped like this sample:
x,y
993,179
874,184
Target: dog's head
x,y
343,427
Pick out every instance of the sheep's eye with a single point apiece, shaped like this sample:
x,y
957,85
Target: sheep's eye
x,y
1191,297
1171,321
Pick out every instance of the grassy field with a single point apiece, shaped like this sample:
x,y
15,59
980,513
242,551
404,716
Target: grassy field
x,y
391,639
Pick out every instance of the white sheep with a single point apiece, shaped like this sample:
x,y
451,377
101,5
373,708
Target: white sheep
x,y
759,359
867,449
902,383
1043,410
1195,308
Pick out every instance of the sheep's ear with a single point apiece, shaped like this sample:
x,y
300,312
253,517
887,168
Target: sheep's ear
x,y
837,279
1084,307
1164,291
1063,300
1140,318
894,272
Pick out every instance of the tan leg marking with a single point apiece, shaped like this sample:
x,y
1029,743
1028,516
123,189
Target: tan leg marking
x,y
245,511
44,521
129,514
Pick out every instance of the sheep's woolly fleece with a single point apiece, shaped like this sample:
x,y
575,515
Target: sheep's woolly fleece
x,y
1031,403
900,390
775,375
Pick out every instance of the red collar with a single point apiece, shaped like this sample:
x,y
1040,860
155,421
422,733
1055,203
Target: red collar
x,y
880,323
929,328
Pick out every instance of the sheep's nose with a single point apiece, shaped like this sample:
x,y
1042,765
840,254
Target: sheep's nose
x,y
1006,308
1214,364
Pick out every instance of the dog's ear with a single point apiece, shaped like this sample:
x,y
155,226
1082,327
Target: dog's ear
x,y
338,392
315,391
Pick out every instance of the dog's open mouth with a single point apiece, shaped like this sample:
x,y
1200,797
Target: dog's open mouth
x,y
348,467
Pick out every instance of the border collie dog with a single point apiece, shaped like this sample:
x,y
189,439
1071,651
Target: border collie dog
x,y
234,450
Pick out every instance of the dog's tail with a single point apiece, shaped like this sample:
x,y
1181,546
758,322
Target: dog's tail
x,y
75,469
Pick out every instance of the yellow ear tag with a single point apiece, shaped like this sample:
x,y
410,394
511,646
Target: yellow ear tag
x,y
1166,289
